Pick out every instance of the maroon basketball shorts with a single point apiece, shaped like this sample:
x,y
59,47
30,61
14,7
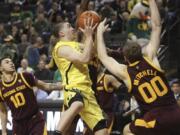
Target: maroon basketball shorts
x,y
159,121
31,126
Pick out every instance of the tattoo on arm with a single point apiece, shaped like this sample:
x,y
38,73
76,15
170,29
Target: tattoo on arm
x,y
54,86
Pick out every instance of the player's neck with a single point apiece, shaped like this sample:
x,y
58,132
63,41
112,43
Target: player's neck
x,y
66,39
8,77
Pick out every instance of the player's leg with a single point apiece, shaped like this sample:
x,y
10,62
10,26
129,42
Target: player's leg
x,y
93,116
72,128
75,102
68,116
37,125
19,128
127,130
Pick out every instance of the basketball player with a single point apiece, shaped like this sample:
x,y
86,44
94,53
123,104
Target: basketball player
x,y
17,92
145,80
72,61
105,87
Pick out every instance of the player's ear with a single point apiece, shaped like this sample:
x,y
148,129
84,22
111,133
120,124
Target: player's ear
x,y
61,34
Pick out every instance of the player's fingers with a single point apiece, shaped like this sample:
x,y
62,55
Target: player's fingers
x,y
104,21
95,26
91,23
88,22
81,29
106,27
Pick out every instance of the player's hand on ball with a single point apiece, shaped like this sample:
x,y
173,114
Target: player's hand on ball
x,y
89,28
102,26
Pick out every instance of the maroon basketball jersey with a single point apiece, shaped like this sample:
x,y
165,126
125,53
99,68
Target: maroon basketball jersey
x,y
19,96
104,98
149,85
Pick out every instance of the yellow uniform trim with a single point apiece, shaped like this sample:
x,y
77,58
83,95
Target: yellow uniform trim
x,y
11,84
106,88
24,80
143,123
129,84
110,127
45,130
152,64
105,83
133,64
1,95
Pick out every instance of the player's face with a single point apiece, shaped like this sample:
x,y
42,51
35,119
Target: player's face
x,y
69,30
176,88
7,65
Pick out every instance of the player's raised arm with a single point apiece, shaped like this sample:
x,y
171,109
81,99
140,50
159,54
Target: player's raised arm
x,y
83,7
84,57
112,65
151,49
3,117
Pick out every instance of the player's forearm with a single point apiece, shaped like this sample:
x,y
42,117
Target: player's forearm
x,y
87,52
55,86
49,86
155,16
84,5
101,49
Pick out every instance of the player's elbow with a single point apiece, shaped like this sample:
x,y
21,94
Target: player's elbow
x,y
156,26
102,56
84,60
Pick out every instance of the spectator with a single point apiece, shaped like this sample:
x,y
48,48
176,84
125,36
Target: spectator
x,y
3,33
42,73
41,24
27,25
32,55
175,86
15,33
16,13
138,24
25,67
53,13
10,48
43,50
23,45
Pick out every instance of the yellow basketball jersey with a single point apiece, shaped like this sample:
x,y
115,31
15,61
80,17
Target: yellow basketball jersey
x,y
74,75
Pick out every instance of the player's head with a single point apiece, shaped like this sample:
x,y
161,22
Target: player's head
x,y
175,86
132,52
7,65
64,30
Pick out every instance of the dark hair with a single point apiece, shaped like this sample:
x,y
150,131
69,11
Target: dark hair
x,y
57,28
176,81
132,51
4,57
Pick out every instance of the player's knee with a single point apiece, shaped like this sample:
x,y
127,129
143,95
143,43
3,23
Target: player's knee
x,y
77,106
126,130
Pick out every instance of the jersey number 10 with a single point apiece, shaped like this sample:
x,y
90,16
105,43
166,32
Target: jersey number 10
x,y
18,99
154,90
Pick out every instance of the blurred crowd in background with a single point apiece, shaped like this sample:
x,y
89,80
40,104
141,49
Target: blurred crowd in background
x,y
26,33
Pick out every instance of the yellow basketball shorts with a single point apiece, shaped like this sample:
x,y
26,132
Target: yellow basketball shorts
x,y
91,113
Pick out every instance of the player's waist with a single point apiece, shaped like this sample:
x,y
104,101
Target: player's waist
x,y
81,85
28,117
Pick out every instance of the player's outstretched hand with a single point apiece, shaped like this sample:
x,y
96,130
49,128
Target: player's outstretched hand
x,y
89,27
102,27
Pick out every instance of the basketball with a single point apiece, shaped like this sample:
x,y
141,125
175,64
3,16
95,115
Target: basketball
x,y
92,14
